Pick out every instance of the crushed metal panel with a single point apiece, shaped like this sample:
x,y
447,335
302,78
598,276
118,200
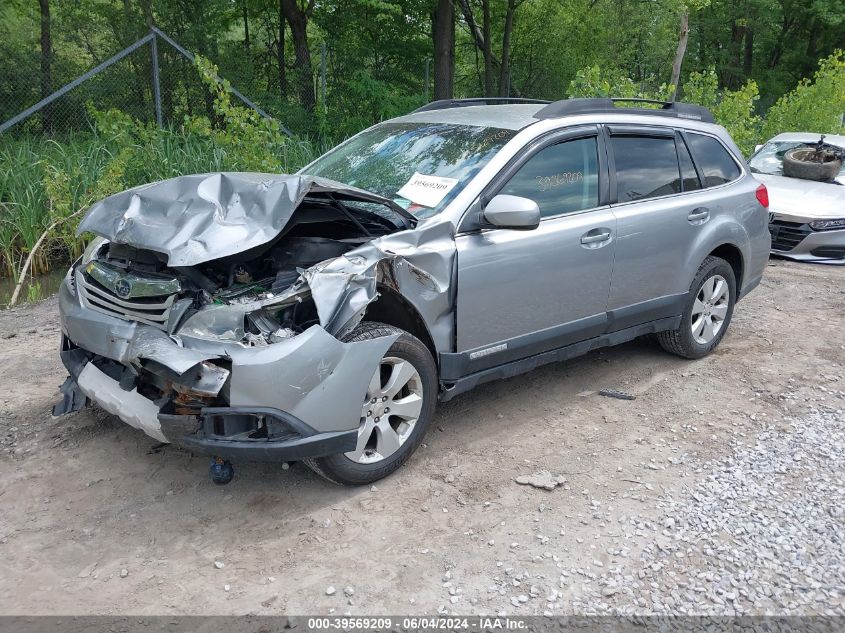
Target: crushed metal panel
x,y
419,264
312,376
342,288
427,279
201,217
150,343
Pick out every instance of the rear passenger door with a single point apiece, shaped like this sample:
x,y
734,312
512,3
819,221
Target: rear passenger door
x,y
661,206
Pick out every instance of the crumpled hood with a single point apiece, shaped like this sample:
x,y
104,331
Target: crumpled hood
x,y
805,198
198,218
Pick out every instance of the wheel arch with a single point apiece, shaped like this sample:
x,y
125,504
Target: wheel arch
x,y
392,308
733,255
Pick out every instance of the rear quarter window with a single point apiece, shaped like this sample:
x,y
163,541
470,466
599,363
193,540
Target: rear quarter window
x,y
715,162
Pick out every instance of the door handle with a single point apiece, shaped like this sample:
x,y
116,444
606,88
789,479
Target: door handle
x,y
593,239
699,215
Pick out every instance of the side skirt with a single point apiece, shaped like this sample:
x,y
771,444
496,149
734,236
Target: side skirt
x,y
523,365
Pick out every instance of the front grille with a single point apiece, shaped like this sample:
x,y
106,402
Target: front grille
x,y
787,235
153,311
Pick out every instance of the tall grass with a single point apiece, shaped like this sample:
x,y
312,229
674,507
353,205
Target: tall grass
x,y
42,180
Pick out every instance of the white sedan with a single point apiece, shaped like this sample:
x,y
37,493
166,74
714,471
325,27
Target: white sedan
x,y
806,218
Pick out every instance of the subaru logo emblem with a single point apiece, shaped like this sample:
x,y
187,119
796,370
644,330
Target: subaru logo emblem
x,y
122,287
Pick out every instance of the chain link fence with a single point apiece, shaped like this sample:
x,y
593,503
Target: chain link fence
x,y
152,80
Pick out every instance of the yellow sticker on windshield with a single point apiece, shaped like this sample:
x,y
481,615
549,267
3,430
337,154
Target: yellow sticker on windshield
x,y
425,190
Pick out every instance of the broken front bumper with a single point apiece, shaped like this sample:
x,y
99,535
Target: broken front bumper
x,y
223,431
290,400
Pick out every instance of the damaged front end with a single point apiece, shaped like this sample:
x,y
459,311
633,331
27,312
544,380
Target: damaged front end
x,y
211,309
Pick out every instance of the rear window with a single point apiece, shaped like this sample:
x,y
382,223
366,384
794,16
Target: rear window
x,y
716,165
646,167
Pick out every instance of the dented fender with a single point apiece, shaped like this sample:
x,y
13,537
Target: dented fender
x,y
313,376
418,264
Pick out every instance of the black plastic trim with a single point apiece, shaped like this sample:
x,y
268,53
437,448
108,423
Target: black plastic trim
x,y
458,365
748,287
651,310
680,139
286,418
187,432
455,366
318,445
612,196
74,359
654,131
524,365
571,107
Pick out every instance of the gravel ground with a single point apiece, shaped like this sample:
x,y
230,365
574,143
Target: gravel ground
x,y
760,533
719,490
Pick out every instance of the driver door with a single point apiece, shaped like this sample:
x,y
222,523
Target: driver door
x,y
523,292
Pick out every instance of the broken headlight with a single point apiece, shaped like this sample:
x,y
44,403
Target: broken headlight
x,y
234,323
216,322
92,250
88,256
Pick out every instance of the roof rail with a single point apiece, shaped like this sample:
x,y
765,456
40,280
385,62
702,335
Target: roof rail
x,y
443,104
569,107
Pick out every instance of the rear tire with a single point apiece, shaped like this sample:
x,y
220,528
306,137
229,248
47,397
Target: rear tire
x,y
707,312
408,361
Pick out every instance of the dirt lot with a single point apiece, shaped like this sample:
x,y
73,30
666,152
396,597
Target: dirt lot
x,y
650,518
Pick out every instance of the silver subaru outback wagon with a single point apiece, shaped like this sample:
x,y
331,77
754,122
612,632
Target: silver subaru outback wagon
x,y
320,316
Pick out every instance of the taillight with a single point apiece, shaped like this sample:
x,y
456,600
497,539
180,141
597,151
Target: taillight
x,y
763,196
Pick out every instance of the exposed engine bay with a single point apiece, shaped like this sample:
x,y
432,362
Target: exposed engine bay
x,y
266,280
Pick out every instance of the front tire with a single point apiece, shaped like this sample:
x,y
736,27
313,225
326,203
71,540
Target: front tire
x,y
396,413
707,312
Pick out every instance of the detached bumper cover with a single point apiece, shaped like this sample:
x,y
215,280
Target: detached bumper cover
x,y
230,432
129,406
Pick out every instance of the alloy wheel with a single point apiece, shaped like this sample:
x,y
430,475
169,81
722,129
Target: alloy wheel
x,y
710,309
391,410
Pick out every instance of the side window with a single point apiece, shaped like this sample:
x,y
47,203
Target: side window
x,y
562,178
717,166
646,167
688,174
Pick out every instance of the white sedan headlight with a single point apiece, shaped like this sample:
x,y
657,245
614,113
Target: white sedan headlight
x,y
827,225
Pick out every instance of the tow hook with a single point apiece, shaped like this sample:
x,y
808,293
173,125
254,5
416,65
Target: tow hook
x,y
221,470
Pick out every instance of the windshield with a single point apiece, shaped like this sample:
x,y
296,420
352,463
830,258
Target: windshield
x,y
420,166
769,160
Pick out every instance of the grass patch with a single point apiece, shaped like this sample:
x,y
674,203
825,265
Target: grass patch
x,y
42,180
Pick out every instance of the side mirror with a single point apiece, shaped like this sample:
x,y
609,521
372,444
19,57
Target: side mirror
x,y
512,212
757,148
